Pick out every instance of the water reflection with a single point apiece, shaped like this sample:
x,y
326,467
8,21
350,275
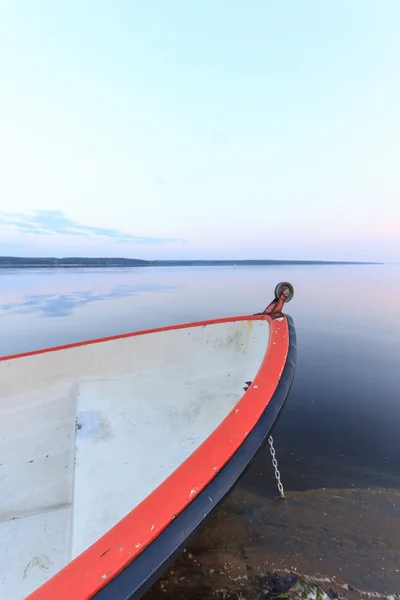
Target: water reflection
x,y
63,305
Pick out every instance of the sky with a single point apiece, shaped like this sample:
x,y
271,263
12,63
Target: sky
x,y
200,129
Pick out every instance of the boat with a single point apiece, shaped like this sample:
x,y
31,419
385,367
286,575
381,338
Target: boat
x,y
114,451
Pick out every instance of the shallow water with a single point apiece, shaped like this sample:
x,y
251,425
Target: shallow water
x,y
342,537
339,428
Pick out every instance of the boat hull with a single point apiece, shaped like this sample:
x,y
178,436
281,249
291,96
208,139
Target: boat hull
x,y
123,559
150,565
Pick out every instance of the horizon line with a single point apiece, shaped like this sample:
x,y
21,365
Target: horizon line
x,y
180,260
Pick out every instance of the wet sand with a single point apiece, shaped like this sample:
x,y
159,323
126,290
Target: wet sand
x,y
348,539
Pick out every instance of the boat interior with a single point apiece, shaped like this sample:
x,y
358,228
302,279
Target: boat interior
x,y
88,432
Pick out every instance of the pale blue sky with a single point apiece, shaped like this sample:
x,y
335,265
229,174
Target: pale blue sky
x,y
200,129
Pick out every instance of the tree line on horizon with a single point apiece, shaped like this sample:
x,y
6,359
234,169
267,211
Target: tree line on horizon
x,y
18,261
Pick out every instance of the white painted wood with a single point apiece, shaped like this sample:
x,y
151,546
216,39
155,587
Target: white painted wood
x,y
87,433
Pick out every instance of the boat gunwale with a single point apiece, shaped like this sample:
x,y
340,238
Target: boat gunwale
x,y
92,571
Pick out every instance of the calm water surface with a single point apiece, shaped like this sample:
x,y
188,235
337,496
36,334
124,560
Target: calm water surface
x,y
339,429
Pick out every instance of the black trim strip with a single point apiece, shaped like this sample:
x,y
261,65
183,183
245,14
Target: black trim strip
x,y
139,575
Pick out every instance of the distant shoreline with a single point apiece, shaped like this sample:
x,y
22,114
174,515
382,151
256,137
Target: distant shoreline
x,y
16,262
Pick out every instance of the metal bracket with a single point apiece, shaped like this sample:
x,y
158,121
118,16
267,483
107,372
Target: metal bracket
x,y
284,292
274,310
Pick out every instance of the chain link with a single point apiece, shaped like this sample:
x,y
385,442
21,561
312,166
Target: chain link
x,y
275,465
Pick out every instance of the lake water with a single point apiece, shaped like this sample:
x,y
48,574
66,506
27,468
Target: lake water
x,y
340,428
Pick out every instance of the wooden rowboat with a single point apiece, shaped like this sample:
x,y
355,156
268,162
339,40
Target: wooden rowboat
x,y
114,451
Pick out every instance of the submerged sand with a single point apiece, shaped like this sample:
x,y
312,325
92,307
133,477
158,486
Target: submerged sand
x,y
254,547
